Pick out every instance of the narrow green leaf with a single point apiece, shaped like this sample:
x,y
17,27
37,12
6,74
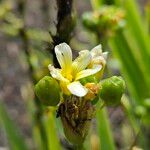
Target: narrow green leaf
x,y
137,28
147,17
126,69
37,137
130,66
105,134
15,139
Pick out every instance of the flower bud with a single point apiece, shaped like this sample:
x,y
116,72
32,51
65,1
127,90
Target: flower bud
x,y
106,20
48,91
147,103
88,22
112,90
140,111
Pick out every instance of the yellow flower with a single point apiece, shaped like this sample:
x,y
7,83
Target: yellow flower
x,y
72,71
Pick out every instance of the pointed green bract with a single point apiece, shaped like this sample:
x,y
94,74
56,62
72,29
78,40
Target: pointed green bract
x,y
48,91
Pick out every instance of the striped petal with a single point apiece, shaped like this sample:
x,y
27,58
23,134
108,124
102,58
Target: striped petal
x,y
56,73
96,51
97,61
105,55
64,56
88,72
82,61
76,88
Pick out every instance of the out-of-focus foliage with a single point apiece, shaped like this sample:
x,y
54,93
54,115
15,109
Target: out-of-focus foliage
x,y
105,20
14,136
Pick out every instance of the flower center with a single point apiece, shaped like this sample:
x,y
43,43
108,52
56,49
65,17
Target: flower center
x,y
67,75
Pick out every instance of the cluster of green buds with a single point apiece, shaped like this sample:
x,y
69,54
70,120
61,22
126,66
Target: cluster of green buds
x,y
75,88
104,21
143,111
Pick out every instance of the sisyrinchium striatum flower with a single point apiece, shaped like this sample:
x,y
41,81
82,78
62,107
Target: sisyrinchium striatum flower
x,y
75,88
71,72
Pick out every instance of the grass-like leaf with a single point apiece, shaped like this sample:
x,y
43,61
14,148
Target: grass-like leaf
x,y
15,139
106,138
130,67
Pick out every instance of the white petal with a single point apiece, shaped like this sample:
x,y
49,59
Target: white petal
x,y
82,61
105,55
98,60
76,88
97,50
64,56
88,72
56,73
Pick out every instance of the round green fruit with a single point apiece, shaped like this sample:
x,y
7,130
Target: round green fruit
x,y
112,90
48,91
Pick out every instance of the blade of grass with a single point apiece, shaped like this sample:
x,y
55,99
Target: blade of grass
x,y
130,67
133,65
15,139
147,17
37,137
136,52
137,28
104,131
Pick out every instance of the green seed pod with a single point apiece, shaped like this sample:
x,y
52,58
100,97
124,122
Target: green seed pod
x,y
48,91
112,90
